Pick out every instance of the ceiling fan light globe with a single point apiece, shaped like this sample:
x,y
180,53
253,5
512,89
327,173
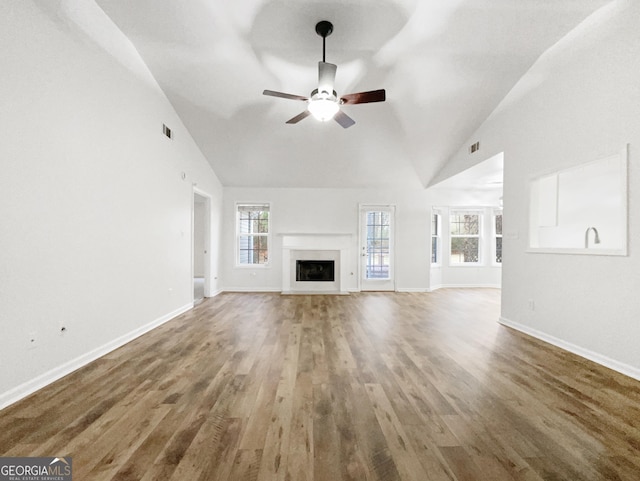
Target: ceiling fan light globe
x,y
323,109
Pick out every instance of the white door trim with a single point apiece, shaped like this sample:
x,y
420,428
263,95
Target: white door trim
x,y
207,241
375,285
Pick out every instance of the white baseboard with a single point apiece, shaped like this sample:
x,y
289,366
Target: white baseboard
x,y
605,361
355,290
315,293
251,289
215,293
29,387
463,286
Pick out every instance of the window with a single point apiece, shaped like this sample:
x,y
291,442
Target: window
x,y
253,234
435,238
465,237
497,224
378,245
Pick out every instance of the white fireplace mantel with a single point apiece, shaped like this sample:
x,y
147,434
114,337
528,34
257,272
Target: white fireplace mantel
x,y
310,246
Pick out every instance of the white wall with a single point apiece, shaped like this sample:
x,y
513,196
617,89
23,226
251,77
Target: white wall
x,y
336,211
578,103
96,217
330,211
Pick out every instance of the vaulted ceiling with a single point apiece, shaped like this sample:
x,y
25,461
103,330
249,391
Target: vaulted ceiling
x,y
445,66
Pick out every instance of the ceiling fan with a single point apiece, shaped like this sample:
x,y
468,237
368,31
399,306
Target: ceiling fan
x,y
323,103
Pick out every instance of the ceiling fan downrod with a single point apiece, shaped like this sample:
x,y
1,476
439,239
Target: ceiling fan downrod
x,y
324,29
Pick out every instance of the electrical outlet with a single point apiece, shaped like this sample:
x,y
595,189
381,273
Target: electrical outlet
x,y
532,305
32,341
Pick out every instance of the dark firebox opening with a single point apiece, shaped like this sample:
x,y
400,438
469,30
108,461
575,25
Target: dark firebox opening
x,y
316,271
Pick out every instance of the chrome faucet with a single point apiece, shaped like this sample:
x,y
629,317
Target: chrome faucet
x,y
596,239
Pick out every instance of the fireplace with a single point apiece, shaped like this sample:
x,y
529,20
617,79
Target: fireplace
x,y
315,263
315,270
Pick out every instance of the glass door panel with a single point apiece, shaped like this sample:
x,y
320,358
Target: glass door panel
x,y
377,244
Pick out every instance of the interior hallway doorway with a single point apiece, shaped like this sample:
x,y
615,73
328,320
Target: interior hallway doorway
x,y
201,241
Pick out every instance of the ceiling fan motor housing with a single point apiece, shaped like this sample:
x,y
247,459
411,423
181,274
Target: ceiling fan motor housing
x,y
316,95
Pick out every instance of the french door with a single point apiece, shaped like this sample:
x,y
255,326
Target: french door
x,y
377,248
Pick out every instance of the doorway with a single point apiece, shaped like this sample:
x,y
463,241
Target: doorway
x,y
200,248
377,248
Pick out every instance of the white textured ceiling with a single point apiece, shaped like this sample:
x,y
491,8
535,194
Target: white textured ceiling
x,y
445,66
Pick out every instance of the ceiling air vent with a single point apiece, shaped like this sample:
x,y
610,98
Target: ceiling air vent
x,y
474,147
166,131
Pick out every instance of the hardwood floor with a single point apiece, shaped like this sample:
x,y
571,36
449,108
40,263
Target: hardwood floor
x,y
375,386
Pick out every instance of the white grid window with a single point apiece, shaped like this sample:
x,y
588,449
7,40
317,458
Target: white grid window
x,y
252,233
436,237
497,245
465,228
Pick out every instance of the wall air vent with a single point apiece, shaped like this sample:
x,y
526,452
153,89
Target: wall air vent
x,y
474,147
166,131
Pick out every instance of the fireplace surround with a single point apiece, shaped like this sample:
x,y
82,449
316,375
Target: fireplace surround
x,y
315,250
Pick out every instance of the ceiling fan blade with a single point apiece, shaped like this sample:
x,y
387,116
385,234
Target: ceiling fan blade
x,y
282,95
364,97
326,77
302,115
343,119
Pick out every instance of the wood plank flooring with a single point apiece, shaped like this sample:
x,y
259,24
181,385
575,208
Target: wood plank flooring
x,y
372,386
